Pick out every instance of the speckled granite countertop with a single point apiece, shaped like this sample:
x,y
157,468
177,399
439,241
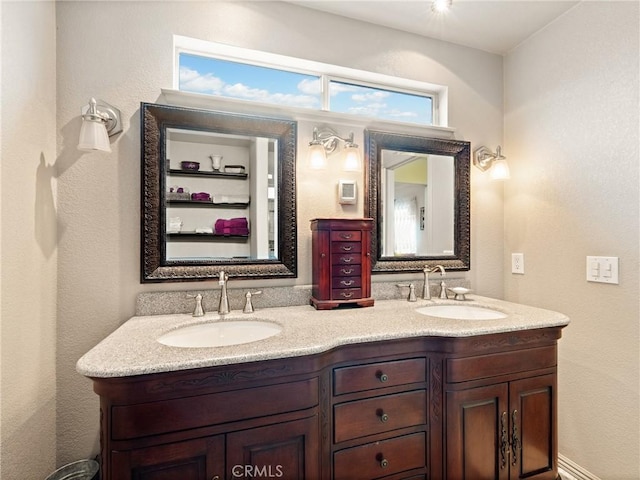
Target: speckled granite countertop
x,y
133,350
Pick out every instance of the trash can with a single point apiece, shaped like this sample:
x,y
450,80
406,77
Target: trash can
x,y
80,470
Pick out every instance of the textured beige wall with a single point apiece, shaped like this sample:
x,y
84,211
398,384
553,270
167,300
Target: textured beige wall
x,y
129,61
28,243
572,137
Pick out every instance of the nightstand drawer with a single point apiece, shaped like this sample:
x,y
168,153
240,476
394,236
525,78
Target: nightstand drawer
x,y
346,247
379,459
346,271
346,293
345,259
379,414
346,235
378,375
346,282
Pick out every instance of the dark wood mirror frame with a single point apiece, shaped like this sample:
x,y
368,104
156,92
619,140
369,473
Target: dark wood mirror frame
x,y
375,142
155,119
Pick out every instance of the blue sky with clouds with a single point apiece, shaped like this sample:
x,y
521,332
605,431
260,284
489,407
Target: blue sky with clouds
x,y
261,84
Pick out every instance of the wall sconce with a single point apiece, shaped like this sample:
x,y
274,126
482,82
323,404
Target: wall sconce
x,y
485,159
325,142
99,122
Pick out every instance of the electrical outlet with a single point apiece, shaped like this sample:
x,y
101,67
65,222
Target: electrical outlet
x,y
517,263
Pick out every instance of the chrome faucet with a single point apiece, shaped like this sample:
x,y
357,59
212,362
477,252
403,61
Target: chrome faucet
x,y
426,292
443,286
223,306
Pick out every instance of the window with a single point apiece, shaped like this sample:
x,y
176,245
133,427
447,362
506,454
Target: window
x,y
233,72
200,74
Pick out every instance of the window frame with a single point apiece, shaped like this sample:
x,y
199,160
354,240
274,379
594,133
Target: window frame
x,y
326,72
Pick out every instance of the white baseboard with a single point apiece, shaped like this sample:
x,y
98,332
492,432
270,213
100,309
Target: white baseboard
x,y
572,471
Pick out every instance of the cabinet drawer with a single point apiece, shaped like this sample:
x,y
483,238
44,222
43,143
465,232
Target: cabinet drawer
x,y
379,414
346,282
345,259
483,366
165,416
379,459
346,247
346,235
346,271
378,375
346,293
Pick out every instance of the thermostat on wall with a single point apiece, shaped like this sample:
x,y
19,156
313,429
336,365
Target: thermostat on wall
x,y
347,192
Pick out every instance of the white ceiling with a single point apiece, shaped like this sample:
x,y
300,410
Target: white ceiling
x,y
493,26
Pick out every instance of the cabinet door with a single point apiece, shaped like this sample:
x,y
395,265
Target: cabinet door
x,y
288,451
476,436
201,459
532,429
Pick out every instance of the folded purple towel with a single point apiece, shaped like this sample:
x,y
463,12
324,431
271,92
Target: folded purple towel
x,y
201,197
235,223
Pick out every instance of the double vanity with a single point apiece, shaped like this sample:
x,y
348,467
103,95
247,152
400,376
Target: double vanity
x,y
433,389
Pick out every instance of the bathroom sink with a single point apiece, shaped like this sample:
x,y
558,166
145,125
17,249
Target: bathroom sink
x,y
461,312
220,334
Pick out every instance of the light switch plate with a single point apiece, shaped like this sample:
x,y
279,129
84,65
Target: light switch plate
x,y
602,269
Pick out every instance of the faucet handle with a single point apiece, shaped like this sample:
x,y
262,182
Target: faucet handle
x,y
248,305
412,291
198,311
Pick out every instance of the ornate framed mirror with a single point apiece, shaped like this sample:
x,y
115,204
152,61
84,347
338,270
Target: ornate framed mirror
x,y
218,193
417,190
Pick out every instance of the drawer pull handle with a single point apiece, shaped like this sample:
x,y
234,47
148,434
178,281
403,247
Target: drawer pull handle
x,y
347,248
383,377
503,441
347,283
347,295
347,272
346,236
347,259
383,416
515,442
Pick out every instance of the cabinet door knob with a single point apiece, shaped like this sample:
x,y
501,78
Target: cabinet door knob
x,y
383,416
383,377
384,463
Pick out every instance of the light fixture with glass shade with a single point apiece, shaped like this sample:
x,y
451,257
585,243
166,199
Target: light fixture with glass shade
x,y
325,142
99,122
485,159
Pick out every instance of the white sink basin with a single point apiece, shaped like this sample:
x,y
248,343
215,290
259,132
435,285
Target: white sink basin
x,y
461,312
220,334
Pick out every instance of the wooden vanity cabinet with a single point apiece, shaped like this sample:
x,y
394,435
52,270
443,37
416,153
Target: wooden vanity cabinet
x,y
341,262
380,419
233,422
437,408
501,416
